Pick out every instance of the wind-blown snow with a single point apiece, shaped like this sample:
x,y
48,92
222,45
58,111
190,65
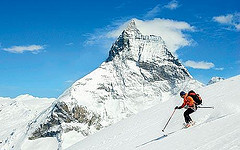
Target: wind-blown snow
x,y
215,129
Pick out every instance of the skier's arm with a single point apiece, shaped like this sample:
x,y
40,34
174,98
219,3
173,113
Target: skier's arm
x,y
184,103
180,107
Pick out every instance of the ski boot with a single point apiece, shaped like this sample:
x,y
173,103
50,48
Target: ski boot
x,y
187,125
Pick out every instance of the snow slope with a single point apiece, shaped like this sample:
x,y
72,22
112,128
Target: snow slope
x,y
215,129
215,80
15,114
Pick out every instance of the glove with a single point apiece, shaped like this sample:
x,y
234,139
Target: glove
x,y
177,107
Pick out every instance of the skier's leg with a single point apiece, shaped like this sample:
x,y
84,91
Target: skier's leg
x,y
186,115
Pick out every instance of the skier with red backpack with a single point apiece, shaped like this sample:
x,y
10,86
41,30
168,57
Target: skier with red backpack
x,y
190,102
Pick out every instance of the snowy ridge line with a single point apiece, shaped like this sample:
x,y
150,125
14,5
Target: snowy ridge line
x,y
44,112
132,28
149,38
41,119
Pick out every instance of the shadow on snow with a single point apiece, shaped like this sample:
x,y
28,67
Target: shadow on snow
x,y
157,139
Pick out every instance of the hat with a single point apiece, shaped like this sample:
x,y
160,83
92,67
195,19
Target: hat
x,y
182,93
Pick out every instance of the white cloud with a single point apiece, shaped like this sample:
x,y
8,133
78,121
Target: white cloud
x,y
153,12
20,49
232,20
199,65
156,10
100,39
170,30
69,44
172,5
219,69
224,19
237,26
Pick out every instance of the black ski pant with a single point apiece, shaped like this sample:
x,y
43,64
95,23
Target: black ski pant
x,y
186,115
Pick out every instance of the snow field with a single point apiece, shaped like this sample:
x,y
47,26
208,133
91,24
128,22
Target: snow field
x,y
215,128
48,143
15,115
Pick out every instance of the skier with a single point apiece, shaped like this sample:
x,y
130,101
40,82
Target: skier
x,y
189,104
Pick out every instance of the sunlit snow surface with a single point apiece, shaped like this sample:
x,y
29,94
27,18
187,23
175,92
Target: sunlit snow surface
x,y
15,114
215,129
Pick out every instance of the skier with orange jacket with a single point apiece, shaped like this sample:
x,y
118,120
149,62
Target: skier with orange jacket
x,y
189,103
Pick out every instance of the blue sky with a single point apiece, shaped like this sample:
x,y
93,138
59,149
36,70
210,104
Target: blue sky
x,y
46,45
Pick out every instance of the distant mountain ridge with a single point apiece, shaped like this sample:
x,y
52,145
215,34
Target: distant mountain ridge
x,y
15,114
139,73
215,80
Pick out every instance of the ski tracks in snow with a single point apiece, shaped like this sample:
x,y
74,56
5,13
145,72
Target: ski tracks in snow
x,y
232,138
197,124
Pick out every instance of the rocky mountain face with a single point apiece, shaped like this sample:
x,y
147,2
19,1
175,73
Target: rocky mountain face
x,y
139,73
215,80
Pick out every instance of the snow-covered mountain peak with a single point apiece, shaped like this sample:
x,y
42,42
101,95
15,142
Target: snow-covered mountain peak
x,y
24,97
132,26
139,73
133,32
133,45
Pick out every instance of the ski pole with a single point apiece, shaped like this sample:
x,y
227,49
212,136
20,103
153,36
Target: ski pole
x,y
168,120
204,107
